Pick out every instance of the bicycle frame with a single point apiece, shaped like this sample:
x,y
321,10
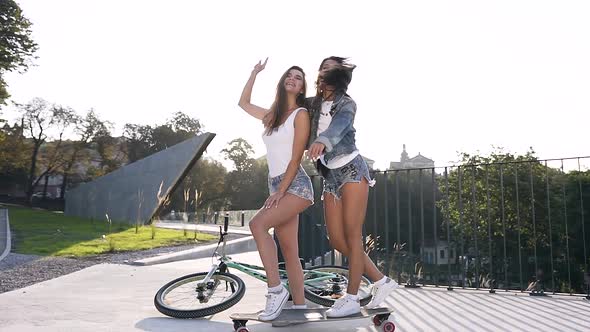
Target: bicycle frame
x,y
189,295
252,270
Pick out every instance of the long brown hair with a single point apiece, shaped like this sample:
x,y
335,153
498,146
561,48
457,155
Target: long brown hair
x,y
272,120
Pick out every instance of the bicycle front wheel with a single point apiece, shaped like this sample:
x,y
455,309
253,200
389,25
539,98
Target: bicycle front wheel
x,y
324,284
190,297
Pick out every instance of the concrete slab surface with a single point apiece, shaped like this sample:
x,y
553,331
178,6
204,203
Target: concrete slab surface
x,y
110,297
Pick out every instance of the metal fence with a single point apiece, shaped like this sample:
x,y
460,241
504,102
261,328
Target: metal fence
x,y
514,225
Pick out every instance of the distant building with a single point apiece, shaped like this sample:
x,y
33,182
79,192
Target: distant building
x,y
370,162
405,162
440,254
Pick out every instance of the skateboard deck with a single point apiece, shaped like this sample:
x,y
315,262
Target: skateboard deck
x,y
300,316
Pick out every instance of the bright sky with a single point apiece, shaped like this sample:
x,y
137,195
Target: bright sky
x,y
439,76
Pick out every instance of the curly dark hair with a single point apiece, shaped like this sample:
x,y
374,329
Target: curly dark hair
x,y
339,77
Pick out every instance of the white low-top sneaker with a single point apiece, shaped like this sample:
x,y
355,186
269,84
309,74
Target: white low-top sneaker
x,y
344,306
380,292
274,304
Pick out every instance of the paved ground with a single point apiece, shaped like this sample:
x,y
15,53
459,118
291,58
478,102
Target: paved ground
x,y
112,297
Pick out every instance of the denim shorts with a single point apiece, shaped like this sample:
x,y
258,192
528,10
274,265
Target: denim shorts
x,y
353,172
300,186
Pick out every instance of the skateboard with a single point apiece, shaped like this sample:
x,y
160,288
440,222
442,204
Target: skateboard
x,y
300,316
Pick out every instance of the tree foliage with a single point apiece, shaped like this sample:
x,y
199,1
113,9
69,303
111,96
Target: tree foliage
x,y
144,140
17,48
247,185
42,121
528,212
14,155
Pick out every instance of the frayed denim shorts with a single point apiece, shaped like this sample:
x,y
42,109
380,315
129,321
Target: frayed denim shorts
x,y
353,172
300,186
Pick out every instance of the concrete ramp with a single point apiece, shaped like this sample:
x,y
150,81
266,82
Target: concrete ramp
x,y
136,191
4,234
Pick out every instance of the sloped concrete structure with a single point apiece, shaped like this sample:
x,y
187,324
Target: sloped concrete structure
x,y
136,191
4,234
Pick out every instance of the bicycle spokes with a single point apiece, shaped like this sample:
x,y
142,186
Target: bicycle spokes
x,y
193,293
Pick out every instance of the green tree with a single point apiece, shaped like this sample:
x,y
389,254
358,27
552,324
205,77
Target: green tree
x,y
205,184
184,124
246,186
88,129
208,177
138,141
240,152
3,128
3,92
41,122
111,152
17,48
525,217
144,140
14,156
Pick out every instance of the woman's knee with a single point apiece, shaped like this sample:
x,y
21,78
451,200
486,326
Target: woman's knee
x,y
257,226
354,243
339,244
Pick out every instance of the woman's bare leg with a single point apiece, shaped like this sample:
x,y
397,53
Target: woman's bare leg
x,y
288,239
289,207
335,227
354,208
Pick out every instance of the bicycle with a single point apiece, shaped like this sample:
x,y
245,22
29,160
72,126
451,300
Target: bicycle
x,y
203,294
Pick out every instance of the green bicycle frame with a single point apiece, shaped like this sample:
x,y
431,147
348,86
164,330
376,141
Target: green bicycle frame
x,y
254,271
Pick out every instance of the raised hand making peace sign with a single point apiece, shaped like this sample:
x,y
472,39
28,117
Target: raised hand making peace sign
x,y
259,66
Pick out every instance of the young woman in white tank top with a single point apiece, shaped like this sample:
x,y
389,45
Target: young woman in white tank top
x,y
286,130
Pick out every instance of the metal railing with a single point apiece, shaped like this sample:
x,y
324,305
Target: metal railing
x,y
513,224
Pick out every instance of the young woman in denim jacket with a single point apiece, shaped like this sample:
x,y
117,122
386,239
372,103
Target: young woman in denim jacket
x,y
286,130
346,181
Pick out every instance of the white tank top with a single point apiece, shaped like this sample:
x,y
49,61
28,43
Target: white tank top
x,y
279,145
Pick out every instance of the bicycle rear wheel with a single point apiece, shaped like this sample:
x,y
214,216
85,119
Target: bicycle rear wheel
x,y
324,291
189,297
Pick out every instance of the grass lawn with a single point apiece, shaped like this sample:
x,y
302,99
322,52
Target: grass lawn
x,y
50,233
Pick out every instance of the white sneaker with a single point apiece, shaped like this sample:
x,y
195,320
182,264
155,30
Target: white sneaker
x,y
344,306
274,304
381,292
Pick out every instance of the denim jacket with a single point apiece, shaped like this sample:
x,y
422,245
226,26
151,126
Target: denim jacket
x,y
339,138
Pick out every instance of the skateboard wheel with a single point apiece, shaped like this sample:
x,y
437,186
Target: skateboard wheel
x,y
240,324
377,321
388,327
245,329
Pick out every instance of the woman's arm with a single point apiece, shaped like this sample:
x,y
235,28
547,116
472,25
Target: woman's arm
x,y
339,126
337,129
256,111
299,143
